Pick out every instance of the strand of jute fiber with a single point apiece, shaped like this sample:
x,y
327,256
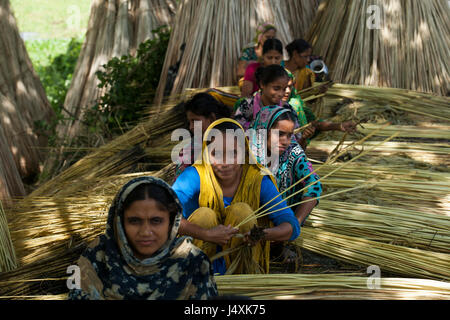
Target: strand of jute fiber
x,y
409,48
115,28
389,257
7,254
22,99
215,32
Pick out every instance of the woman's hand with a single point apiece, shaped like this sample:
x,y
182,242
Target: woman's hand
x,y
308,132
221,234
348,126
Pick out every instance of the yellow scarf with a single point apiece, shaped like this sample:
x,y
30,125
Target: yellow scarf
x,y
211,195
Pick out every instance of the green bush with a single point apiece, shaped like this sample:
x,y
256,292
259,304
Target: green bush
x,y
131,84
54,62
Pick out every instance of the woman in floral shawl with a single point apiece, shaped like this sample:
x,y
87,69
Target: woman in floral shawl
x,y
140,255
292,165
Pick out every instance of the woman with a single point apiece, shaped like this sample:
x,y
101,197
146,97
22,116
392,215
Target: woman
x,y
299,52
203,109
218,194
253,52
273,82
140,255
272,54
292,165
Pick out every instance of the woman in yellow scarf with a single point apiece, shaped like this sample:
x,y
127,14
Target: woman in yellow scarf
x,y
221,192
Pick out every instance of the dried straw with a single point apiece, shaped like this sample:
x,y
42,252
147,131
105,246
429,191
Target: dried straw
x,y
410,49
7,254
393,258
329,286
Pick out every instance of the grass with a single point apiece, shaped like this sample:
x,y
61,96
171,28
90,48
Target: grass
x,y
52,19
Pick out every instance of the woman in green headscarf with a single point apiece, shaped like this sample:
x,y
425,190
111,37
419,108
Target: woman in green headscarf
x,y
140,256
253,52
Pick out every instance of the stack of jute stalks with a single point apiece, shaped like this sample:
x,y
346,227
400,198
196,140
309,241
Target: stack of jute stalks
x,y
215,32
329,286
23,103
389,257
433,153
399,44
400,100
7,254
300,287
115,28
421,190
122,155
387,224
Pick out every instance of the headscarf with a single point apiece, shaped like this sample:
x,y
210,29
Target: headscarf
x,y
248,191
110,270
292,162
261,29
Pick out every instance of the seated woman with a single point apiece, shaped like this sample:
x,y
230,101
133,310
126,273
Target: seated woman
x,y
272,54
217,195
140,255
253,52
273,82
292,164
203,109
305,115
299,57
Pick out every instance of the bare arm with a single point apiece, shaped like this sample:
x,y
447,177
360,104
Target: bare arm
x,y
305,209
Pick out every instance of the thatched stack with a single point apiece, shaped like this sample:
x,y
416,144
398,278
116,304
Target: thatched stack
x,y
116,28
22,103
410,47
10,181
216,31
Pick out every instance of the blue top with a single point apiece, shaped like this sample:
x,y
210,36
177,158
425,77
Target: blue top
x,y
187,188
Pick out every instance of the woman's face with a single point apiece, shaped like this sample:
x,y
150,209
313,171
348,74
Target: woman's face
x,y
146,227
302,59
206,121
273,92
288,91
272,57
283,140
227,160
269,34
